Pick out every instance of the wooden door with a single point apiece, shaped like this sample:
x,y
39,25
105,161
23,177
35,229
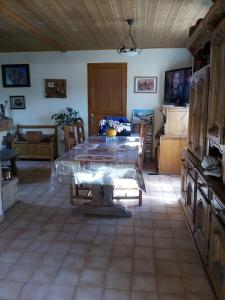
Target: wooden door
x,y
217,89
198,111
107,92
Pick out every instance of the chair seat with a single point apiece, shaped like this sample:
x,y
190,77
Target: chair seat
x,y
125,188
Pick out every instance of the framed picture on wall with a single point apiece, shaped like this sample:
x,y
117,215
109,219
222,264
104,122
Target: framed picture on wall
x,y
145,84
16,75
17,102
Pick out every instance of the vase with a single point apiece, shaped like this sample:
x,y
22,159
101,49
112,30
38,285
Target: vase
x,y
111,132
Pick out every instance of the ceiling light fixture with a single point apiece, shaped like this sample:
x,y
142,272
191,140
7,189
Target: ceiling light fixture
x,y
129,51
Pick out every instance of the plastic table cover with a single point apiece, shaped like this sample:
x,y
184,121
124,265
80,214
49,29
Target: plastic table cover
x,y
98,161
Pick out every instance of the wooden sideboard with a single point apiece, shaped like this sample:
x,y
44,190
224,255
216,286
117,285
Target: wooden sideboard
x,y
203,197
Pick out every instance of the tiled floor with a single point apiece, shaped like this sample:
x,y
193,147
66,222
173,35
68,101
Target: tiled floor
x,y
47,251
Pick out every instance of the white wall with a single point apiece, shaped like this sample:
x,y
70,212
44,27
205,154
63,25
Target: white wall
x,y
72,66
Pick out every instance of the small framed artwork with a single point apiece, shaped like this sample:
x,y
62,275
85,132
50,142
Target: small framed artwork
x,y
15,75
145,84
55,88
17,102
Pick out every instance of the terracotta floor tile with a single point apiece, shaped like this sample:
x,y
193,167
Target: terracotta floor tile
x,y
20,272
79,249
10,289
67,277
164,243
31,258
190,256
126,240
166,254
166,296
144,241
199,297
137,295
53,259
143,282
4,269
118,280
114,294
170,284
184,244
98,262
144,266
76,262
192,269
100,250
197,285
102,239
93,277
143,253
44,274
59,292
33,291
122,251
10,256
164,267
89,293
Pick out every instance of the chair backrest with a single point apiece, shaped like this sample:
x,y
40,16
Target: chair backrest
x,y
69,135
143,131
80,131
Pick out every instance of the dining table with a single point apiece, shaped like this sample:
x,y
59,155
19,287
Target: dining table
x,y
97,163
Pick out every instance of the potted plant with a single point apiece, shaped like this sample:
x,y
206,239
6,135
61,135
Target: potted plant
x,y
67,117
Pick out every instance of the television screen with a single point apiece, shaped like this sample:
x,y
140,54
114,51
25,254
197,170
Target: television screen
x,y
177,86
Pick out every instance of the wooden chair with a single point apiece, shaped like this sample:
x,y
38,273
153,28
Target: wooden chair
x,y
77,136
80,131
143,131
129,188
69,136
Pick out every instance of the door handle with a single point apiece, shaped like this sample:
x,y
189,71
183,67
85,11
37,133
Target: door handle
x,y
92,118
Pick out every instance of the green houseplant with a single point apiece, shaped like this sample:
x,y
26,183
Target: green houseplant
x,y
67,117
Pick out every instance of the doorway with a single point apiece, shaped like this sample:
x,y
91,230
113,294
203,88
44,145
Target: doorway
x,y
107,92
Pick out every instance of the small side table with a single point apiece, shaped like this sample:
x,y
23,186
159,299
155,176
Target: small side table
x,y
10,155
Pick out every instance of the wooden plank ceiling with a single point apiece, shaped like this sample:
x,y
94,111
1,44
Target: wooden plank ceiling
x,y
45,25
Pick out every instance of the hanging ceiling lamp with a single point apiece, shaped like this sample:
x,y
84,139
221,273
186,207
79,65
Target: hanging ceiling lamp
x,y
129,51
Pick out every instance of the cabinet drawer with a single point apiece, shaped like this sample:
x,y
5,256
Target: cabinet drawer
x,y
201,232
202,185
192,172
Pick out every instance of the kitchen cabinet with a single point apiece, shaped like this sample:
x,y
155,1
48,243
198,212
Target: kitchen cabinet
x,y
216,109
198,112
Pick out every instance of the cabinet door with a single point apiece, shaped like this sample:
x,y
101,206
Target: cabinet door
x,y
197,137
183,180
217,96
202,224
190,201
216,266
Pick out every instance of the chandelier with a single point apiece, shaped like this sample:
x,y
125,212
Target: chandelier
x,y
129,51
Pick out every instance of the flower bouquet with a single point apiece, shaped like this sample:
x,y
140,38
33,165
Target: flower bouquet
x,y
119,126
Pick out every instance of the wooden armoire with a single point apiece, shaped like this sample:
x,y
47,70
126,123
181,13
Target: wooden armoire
x,y
203,196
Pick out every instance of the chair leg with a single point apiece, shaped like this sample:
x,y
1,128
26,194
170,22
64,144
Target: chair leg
x,y
71,193
140,198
